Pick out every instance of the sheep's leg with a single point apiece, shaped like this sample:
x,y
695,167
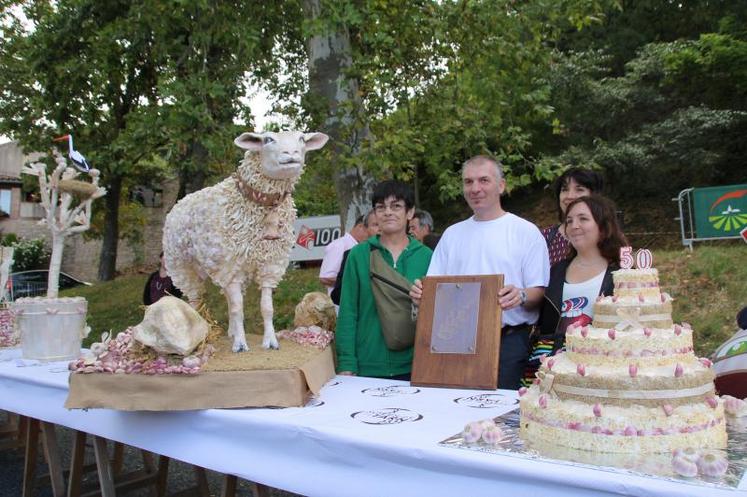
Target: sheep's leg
x,y
269,341
236,316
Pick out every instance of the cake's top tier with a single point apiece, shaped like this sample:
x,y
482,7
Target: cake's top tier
x,y
637,283
637,298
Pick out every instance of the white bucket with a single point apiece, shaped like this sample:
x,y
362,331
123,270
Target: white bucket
x,y
51,329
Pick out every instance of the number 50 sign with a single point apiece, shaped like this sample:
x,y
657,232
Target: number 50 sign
x,y
643,258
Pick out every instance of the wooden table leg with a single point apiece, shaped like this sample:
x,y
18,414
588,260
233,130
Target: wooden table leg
x,y
118,458
106,476
162,479
77,458
203,489
229,486
262,490
54,461
29,465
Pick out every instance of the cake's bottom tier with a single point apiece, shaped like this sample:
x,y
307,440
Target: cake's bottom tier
x,y
620,429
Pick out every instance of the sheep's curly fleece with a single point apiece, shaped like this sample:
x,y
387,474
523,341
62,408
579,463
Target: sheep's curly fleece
x,y
216,233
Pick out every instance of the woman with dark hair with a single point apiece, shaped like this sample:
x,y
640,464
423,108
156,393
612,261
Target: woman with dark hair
x,y
575,283
361,341
572,184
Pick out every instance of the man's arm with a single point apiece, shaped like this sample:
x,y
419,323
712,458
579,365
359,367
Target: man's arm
x,y
535,266
330,264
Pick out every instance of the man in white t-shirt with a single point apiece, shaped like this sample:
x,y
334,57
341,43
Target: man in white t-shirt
x,y
494,241
364,228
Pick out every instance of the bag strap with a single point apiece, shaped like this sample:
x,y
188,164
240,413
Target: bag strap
x,y
378,263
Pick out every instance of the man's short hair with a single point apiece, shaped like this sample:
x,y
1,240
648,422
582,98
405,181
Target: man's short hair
x,y
360,220
367,218
485,159
396,189
424,218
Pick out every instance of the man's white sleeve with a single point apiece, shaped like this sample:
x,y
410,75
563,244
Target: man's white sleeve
x,y
536,262
331,262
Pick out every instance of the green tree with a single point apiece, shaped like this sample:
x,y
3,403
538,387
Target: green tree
x,y
674,119
133,80
87,68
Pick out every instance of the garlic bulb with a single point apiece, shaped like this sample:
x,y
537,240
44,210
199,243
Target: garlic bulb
x,y
684,467
712,464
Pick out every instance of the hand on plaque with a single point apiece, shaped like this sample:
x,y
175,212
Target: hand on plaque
x,y
509,297
416,291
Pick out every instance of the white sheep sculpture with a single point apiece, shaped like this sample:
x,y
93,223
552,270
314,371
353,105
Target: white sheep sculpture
x,y
241,229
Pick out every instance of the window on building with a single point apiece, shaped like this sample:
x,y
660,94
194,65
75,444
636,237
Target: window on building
x,y
5,196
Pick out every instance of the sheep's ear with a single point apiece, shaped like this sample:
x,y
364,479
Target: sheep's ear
x,y
249,141
315,141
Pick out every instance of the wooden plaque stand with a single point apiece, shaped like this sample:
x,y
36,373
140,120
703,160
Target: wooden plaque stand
x,y
452,348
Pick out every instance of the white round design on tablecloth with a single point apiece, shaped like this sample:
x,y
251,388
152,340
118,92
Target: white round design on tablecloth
x,y
314,402
391,391
486,400
387,416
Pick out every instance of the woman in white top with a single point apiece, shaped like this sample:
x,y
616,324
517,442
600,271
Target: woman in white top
x,y
595,236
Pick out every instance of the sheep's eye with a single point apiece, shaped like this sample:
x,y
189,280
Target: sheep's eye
x,y
268,139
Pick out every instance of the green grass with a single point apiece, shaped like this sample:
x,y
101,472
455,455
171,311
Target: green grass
x,y
115,305
708,286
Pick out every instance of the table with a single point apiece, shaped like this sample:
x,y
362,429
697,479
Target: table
x,y
362,436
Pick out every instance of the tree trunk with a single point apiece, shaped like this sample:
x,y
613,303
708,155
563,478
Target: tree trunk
x,y
55,263
108,259
192,178
330,56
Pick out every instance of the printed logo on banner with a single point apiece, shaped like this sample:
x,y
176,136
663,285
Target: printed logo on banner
x,y
486,401
306,237
391,391
730,217
387,416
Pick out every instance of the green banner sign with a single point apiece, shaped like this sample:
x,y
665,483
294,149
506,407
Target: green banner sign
x,y
720,211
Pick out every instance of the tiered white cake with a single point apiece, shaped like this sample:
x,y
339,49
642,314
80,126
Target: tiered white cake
x,y
629,382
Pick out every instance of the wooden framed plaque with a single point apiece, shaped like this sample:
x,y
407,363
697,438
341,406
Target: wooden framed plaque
x,y
458,335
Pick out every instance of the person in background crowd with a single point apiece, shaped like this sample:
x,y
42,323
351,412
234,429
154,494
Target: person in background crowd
x,y
494,241
365,227
572,184
159,284
421,227
359,343
595,240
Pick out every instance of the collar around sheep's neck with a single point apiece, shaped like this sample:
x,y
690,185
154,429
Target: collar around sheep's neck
x,y
261,198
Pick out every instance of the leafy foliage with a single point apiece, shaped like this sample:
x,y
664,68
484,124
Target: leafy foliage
x,y
27,254
671,121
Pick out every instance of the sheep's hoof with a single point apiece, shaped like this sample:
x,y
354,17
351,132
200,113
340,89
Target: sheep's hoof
x,y
240,347
270,343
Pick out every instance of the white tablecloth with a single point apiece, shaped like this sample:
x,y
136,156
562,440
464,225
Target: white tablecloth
x,y
358,438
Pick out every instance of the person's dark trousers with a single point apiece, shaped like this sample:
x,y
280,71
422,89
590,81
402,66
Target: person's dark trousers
x,y
514,356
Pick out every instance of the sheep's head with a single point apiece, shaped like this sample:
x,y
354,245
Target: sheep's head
x,y
283,153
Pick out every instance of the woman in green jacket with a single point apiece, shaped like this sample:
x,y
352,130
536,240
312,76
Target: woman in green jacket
x,y
361,349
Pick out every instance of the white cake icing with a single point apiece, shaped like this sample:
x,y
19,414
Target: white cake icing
x,y
629,382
